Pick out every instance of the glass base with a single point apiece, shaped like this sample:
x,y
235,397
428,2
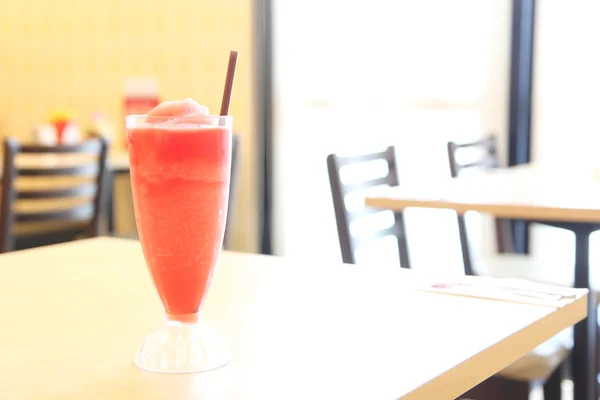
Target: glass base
x,y
182,347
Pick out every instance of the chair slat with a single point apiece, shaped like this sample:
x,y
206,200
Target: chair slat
x,y
353,187
487,142
85,169
486,162
85,190
76,213
387,155
87,147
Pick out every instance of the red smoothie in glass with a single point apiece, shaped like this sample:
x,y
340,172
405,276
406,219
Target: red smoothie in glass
x,y
180,172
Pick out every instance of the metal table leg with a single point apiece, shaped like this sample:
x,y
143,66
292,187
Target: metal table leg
x,y
584,351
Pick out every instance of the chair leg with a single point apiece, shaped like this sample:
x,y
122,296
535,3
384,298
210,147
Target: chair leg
x,y
498,388
552,387
109,203
597,336
504,237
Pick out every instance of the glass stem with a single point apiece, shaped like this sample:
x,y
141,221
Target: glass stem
x,y
190,319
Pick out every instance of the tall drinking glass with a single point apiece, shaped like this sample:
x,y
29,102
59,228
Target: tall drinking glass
x,y
180,170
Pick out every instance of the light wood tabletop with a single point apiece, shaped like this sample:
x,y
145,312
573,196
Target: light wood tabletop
x,y
74,315
532,192
565,197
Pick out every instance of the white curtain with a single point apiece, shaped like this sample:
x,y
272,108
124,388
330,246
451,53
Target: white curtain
x,y
350,77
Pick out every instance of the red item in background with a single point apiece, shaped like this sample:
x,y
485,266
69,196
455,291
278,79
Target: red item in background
x,y
60,130
139,105
136,105
141,96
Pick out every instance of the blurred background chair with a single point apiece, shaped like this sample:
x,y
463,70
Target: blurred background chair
x,y
482,154
547,363
51,194
517,381
488,158
340,189
543,365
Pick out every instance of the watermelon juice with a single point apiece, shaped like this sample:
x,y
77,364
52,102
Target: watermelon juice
x,y
180,170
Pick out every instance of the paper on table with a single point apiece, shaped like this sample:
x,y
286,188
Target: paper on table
x,y
504,289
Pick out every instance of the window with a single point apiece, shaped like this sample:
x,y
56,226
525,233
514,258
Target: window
x,y
348,78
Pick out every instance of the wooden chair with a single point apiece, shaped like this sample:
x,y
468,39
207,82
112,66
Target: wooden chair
x,y
503,264
235,140
544,364
344,218
514,382
51,193
487,160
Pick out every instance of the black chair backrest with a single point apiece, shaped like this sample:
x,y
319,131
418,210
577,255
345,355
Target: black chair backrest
x,y
349,242
235,143
486,158
80,170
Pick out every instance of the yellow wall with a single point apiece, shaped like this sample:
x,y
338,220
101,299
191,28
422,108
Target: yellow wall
x,y
77,53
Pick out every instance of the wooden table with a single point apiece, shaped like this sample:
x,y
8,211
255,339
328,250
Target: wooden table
x,y
524,192
544,194
74,315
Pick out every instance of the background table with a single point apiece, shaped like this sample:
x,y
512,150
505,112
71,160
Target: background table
x,y
568,199
74,315
523,192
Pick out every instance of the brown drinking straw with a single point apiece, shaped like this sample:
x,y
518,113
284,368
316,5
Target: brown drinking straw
x,y
228,83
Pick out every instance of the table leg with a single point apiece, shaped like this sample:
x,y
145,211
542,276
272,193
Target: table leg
x,y
110,211
584,350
